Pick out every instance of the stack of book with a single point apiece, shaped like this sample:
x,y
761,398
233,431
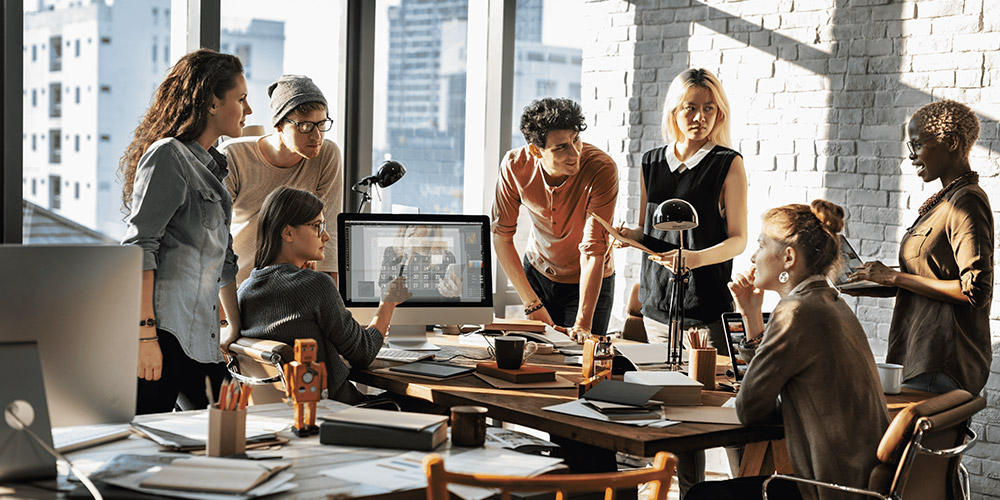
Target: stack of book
x,y
676,388
384,429
524,374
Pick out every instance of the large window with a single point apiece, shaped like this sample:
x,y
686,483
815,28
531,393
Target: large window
x,y
301,37
419,116
106,46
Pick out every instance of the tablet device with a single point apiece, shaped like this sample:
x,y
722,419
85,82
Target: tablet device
x,y
732,325
851,262
432,369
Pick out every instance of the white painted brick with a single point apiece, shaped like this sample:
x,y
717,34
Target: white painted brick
x,y
934,61
938,8
955,24
916,28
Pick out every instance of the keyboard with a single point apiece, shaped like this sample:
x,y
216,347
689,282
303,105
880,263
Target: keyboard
x,y
401,355
67,439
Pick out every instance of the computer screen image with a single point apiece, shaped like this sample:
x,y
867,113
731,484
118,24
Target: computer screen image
x,y
446,260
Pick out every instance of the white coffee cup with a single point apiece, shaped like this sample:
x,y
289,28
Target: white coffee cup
x,y
891,376
543,348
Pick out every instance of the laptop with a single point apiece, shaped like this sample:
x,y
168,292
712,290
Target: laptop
x,y
851,262
732,325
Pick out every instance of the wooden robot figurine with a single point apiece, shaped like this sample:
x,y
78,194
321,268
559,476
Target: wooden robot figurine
x,y
305,381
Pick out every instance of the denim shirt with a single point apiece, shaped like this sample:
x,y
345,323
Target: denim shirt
x,y
180,218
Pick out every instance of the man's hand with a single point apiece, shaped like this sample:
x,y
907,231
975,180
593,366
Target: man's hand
x,y
396,291
632,233
542,315
579,334
150,361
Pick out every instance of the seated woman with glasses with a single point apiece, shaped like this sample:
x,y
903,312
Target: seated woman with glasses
x,y
940,329
296,155
283,299
811,368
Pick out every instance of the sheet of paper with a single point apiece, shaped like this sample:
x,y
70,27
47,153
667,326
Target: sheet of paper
x,y
618,235
577,408
702,414
400,472
644,354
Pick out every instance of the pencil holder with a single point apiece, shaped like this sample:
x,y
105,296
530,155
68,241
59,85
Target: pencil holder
x,y
702,367
227,432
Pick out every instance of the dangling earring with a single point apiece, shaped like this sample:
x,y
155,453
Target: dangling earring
x,y
783,277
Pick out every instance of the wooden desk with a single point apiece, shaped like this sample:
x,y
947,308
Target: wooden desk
x,y
525,408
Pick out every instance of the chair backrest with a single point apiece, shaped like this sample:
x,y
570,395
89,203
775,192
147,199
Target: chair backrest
x,y
259,362
921,450
659,475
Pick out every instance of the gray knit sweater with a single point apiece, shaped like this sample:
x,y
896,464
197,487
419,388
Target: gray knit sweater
x,y
282,302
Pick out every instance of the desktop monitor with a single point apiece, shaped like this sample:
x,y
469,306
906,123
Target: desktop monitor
x,y
80,305
446,260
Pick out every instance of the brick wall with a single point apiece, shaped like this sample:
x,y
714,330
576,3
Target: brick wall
x,y
820,93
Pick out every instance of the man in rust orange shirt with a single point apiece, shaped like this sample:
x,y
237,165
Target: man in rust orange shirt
x,y
566,278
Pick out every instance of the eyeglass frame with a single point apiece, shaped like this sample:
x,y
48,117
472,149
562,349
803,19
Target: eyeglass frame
x,y
319,225
311,125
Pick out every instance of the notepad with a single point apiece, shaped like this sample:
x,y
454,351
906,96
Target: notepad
x,y
432,370
209,474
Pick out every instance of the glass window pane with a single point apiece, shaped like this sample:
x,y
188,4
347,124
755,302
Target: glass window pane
x,y
101,51
299,37
419,109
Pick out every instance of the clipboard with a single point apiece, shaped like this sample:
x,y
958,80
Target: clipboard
x,y
619,236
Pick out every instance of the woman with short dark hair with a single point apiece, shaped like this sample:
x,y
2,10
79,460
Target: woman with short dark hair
x,y
940,330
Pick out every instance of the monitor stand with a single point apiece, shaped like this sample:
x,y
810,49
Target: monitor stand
x,y
410,338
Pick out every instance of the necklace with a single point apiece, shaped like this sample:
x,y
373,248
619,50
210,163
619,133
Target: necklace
x,y
938,196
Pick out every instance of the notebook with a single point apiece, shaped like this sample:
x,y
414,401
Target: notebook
x,y
431,369
732,324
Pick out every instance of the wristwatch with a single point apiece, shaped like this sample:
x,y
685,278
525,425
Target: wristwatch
x,y
150,322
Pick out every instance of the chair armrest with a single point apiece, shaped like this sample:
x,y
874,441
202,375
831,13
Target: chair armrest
x,y
268,351
813,482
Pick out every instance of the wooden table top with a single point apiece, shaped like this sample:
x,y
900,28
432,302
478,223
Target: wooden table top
x,y
524,407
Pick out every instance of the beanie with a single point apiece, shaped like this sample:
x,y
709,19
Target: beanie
x,y
289,92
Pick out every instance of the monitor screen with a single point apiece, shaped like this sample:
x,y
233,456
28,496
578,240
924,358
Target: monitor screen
x,y
446,259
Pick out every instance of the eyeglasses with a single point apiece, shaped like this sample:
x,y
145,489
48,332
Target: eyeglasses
x,y
320,226
307,127
914,146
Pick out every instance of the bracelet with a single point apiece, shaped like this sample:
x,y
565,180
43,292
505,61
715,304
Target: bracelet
x,y
149,339
751,343
150,322
223,322
533,306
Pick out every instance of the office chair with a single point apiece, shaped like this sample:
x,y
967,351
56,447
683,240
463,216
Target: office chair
x,y
659,475
634,329
258,363
920,454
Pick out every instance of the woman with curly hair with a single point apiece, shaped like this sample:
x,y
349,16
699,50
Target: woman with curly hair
x,y
178,211
940,329
811,368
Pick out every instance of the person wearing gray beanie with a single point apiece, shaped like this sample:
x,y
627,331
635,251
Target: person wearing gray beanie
x,y
290,91
295,155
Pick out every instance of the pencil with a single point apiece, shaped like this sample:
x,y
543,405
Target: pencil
x,y
223,390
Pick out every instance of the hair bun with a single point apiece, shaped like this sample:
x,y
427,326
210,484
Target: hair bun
x,y
830,215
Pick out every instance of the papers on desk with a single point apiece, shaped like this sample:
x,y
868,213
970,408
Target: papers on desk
x,y
184,431
131,471
580,408
645,356
406,471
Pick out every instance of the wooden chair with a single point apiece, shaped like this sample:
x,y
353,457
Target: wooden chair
x,y
920,453
659,475
258,362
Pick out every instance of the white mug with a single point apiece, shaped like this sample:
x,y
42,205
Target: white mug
x,y
891,376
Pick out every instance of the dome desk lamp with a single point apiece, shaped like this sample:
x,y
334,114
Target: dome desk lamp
x,y
676,215
388,173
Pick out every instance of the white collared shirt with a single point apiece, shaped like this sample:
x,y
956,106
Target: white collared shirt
x,y
675,164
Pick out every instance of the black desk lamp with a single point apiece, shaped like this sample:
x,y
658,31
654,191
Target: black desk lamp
x,y
388,173
676,215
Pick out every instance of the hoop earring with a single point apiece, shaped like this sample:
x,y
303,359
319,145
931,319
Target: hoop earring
x,y
783,277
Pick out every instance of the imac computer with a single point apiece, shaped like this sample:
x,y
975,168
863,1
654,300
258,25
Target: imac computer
x,y
80,306
446,260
